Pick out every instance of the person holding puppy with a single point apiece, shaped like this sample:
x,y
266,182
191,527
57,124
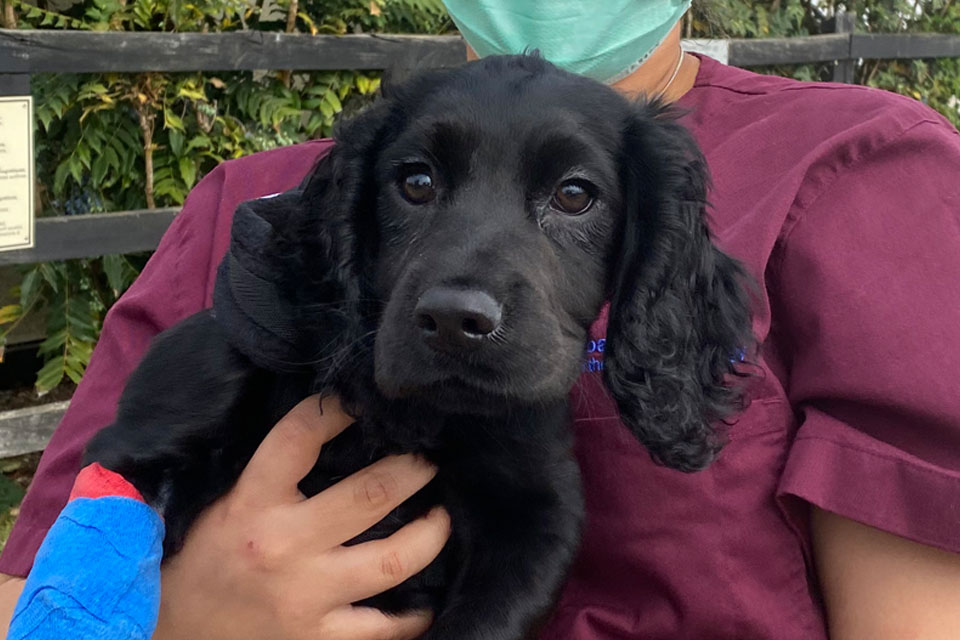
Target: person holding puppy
x,y
834,507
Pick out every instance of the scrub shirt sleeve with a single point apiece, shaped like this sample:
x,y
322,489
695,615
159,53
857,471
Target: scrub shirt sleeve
x,y
866,307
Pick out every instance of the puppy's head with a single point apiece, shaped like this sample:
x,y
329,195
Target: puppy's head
x,y
466,229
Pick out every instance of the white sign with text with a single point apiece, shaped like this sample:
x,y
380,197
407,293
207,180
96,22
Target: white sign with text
x,y
16,172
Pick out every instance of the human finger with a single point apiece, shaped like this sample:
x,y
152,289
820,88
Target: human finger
x,y
291,448
367,623
362,499
373,567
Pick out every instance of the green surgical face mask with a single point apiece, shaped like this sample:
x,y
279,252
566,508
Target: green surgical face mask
x,y
603,39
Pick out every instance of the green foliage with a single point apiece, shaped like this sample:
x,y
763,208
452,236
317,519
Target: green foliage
x,y
935,82
75,295
11,494
109,142
15,475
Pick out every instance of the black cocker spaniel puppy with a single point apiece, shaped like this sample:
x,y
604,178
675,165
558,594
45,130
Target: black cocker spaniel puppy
x,y
439,270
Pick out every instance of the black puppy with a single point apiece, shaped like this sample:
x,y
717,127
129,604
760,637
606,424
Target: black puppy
x,y
439,271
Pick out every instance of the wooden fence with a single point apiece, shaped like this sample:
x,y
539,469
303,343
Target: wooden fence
x,y
25,52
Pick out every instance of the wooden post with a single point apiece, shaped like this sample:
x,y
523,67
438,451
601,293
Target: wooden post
x,y
844,69
14,84
28,430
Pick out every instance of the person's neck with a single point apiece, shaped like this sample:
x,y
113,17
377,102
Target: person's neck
x,y
668,72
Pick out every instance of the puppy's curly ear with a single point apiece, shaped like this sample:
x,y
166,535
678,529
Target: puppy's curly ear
x,y
288,292
679,317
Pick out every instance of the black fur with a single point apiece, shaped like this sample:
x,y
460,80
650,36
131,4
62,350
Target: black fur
x,y
319,290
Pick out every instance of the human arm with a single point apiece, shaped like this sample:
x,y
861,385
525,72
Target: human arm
x,y
883,587
867,301
10,589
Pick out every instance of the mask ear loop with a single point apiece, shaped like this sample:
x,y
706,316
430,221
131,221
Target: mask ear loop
x,y
676,72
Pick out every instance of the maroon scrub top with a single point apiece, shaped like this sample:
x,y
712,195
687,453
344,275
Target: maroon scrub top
x,y
844,202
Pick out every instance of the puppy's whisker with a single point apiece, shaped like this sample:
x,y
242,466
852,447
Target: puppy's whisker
x,y
346,353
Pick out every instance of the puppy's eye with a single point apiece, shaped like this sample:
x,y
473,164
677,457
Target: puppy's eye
x,y
416,184
573,196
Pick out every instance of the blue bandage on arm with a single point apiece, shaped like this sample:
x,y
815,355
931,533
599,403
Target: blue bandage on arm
x,y
96,575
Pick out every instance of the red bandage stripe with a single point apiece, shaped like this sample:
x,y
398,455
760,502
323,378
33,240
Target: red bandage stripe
x,y
95,481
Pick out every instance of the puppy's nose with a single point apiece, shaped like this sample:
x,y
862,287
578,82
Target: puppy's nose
x,y
456,318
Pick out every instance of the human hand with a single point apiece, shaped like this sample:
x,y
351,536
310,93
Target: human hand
x,y
266,563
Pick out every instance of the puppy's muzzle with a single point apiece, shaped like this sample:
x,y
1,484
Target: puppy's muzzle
x,y
453,320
